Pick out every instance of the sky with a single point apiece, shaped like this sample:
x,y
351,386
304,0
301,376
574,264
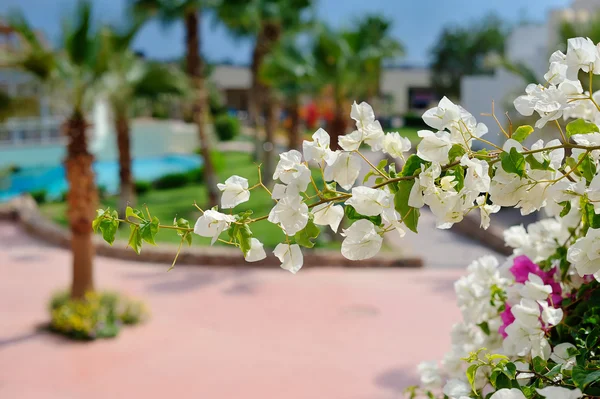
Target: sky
x,y
416,23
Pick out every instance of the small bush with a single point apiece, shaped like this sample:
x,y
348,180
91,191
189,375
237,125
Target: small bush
x,y
412,119
172,180
195,176
98,315
142,187
227,127
39,196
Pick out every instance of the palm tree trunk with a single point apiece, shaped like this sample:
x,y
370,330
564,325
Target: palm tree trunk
x,y
337,126
260,94
127,187
295,140
82,200
195,69
271,124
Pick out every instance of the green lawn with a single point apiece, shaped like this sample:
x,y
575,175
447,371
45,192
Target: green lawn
x,y
178,202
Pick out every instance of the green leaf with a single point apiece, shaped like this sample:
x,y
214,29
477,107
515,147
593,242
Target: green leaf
x,y
369,174
513,162
580,126
587,167
582,377
411,165
592,339
244,238
471,371
482,154
148,230
305,236
382,164
182,224
539,365
109,227
135,238
459,176
572,164
330,189
484,327
134,213
456,151
566,208
522,133
535,164
409,215
351,214
99,216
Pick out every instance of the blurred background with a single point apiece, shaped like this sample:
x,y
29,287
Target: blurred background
x,y
152,102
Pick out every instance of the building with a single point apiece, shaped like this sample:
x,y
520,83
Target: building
x,y
405,89
530,45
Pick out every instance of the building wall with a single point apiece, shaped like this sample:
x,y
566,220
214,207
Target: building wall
x,y
396,82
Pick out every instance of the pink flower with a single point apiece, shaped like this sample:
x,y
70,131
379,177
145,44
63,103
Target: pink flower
x,y
507,319
521,268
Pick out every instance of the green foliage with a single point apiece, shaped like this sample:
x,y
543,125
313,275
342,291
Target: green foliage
x,y
142,187
456,152
409,215
535,164
107,222
172,180
39,196
97,315
580,126
522,133
227,127
413,163
513,162
306,236
353,215
587,167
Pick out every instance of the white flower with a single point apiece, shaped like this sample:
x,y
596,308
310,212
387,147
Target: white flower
x,y
395,145
291,213
290,257
535,288
362,240
369,201
485,211
581,54
505,393
584,255
281,190
442,116
527,313
551,316
430,374
291,170
362,113
212,224
351,141
559,393
328,214
415,197
256,252
560,355
548,102
456,389
344,169
235,191
434,147
477,177
369,129
318,150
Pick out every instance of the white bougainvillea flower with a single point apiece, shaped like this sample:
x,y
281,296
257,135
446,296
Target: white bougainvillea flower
x,y
548,102
429,374
344,169
582,54
477,177
486,210
560,355
559,393
506,393
281,190
235,191
415,197
395,145
534,288
291,213
372,135
212,223
328,215
442,116
457,389
318,150
434,147
290,257
367,129
291,170
557,73
527,313
362,240
369,201
362,113
551,316
351,141
256,252
584,255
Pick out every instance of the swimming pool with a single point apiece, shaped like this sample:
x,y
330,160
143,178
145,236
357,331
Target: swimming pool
x,y
53,181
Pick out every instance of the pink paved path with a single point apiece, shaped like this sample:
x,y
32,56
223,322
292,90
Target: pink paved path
x,y
224,333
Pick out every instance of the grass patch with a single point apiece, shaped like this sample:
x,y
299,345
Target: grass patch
x,y
178,202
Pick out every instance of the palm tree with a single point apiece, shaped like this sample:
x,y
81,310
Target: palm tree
x,y
71,71
190,11
265,21
130,78
290,71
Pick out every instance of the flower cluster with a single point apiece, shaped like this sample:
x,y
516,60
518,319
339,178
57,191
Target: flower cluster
x,y
538,313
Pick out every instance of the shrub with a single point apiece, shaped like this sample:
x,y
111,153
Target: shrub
x,y
172,180
412,119
227,127
195,176
39,196
142,187
98,315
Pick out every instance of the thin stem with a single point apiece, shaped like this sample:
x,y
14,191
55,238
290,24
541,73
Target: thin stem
x,y
562,134
371,165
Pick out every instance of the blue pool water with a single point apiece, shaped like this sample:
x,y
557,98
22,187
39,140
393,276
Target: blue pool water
x,y
52,179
